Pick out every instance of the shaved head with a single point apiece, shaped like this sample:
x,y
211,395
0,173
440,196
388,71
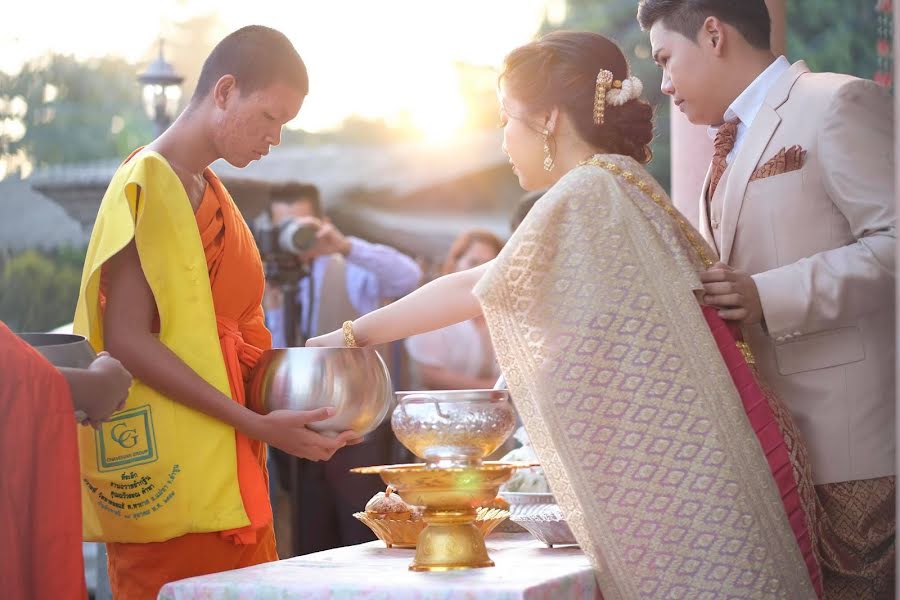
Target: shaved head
x,y
257,57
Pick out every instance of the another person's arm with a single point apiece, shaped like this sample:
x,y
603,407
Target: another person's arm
x,y
127,323
439,303
394,273
99,390
375,272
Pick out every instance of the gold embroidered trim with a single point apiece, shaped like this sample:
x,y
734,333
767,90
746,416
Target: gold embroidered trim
x,y
683,225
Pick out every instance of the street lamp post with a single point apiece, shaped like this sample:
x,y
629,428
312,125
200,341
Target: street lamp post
x,y
162,91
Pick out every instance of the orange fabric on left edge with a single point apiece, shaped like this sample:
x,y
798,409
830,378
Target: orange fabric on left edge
x,y
40,494
138,571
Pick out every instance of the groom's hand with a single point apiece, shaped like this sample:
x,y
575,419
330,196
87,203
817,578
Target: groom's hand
x,y
734,292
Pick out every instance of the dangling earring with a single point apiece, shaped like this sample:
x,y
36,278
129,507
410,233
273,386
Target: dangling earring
x,y
548,158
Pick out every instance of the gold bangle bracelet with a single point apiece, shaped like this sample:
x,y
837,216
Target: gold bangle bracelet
x,y
349,338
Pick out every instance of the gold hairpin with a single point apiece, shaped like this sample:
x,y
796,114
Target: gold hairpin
x,y
604,83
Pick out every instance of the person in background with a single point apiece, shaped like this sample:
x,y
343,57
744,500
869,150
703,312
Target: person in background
x,y
459,356
348,276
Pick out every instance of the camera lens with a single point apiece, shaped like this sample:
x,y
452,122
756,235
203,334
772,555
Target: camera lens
x,y
296,237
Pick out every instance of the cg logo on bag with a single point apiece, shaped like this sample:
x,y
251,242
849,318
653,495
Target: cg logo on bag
x,y
124,436
126,440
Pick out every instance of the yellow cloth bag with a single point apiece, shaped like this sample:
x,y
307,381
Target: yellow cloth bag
x,y
157,469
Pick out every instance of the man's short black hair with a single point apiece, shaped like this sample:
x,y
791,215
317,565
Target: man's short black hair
x,y
290,193
749,17
257,57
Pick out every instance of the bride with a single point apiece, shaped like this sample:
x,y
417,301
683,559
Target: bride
x,y
680,475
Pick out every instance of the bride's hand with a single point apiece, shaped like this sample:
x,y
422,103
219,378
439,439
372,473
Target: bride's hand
x,y
335,338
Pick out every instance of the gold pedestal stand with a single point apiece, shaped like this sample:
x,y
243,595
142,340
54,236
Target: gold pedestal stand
x,y
450,496
449,542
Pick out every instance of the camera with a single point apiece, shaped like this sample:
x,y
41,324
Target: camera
x,y
291,237
280,246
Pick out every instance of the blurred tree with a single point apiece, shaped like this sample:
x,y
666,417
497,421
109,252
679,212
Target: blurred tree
x,y
833,35
58,109
38,290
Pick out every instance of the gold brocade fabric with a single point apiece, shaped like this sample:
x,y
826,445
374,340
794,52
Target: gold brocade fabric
x,y
631,410
723,144
857,529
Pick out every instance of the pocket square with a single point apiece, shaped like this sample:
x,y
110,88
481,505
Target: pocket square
x,y
787,160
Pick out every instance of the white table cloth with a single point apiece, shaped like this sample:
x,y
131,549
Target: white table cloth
x,y
525,569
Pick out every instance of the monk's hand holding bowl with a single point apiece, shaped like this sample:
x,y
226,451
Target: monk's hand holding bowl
x,y
287,430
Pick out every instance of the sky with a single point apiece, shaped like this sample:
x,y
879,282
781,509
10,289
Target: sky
x,y
386,59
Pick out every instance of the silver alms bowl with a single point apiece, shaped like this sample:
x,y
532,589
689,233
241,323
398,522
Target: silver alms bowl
x,y
355,381
62,349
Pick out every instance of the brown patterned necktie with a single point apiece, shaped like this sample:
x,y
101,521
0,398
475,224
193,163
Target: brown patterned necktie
x,y
724,143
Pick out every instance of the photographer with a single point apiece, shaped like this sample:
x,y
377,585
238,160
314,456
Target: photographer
x,y
352,275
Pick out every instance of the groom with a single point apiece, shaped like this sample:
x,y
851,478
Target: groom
x,y
799,203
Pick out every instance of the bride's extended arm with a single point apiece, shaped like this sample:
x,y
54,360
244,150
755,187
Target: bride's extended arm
x,y
442,302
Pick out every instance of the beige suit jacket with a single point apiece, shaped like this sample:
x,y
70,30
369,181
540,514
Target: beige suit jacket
x,y
819,243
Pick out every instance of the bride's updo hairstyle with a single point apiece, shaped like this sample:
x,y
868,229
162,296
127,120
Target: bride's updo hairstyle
x,y
586,76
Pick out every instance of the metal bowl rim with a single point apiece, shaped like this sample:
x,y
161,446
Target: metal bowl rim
x,y
44,339
491,395
314,349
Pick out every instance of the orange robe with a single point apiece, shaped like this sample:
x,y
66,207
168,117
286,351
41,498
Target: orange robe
x,y
40,494
138,571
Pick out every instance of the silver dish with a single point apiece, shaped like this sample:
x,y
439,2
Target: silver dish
x,y
63,350
522,504
527,502
355,381
453,427
547,525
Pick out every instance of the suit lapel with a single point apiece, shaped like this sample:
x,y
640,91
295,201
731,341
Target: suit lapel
x,y
703,224
756,139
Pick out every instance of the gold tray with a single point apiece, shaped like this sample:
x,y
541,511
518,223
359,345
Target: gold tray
x,y
403,533
488,465
445,488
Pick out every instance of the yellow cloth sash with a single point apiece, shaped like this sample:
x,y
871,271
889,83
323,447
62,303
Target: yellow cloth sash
x,y
157,469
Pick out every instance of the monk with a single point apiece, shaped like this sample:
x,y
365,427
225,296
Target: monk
x,y
40,510
172,287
